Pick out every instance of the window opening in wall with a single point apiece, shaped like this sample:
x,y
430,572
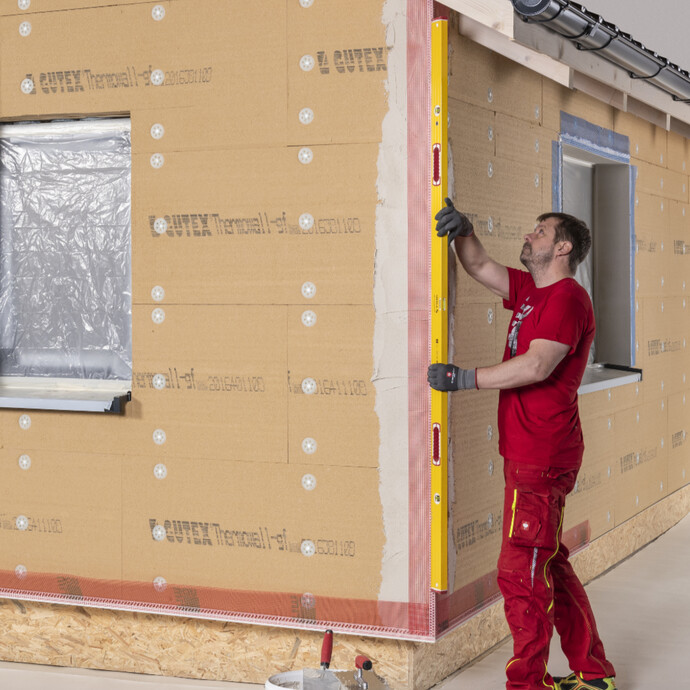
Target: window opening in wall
x,y
597,184
65,265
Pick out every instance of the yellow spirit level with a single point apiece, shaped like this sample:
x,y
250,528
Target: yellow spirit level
x,y
439,304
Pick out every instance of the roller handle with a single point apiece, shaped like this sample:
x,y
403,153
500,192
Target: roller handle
x,y
363,663
326,649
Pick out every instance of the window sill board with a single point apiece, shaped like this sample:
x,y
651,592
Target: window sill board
x,y
65,396
601,377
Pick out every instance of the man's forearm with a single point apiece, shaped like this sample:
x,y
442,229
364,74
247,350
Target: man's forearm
x,y
471,253
522,370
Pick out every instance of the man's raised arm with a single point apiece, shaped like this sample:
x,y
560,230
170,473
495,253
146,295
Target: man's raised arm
x,y
470,251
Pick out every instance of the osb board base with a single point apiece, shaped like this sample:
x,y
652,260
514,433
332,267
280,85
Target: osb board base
x,y
161,645
77,637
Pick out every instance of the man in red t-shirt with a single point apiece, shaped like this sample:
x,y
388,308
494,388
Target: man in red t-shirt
x,y
540,439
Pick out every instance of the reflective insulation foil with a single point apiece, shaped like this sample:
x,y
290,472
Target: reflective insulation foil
x,y
65,250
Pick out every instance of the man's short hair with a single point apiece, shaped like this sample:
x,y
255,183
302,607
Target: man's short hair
x,y
575,231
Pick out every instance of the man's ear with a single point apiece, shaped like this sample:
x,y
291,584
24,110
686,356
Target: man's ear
x,y
564,248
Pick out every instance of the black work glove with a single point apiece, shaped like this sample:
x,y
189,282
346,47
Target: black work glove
x,y
453,223
447,377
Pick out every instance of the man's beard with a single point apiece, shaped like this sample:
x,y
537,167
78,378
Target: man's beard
x,y
535,262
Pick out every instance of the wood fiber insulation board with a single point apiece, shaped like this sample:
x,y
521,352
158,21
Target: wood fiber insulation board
x,y
100,60
233,346
74,506
558,98
678,152
11,7
233,226
251,527
647,141
483,78
678,430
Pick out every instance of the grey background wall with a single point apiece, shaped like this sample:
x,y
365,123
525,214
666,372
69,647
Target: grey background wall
x,y
662,26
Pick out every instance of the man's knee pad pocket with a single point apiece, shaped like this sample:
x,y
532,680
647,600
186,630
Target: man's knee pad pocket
x,y
534,521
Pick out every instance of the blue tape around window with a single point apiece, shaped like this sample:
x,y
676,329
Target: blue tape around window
x,y
556,176
593,138
633,246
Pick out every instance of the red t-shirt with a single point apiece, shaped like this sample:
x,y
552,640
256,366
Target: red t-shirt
x,y
540,423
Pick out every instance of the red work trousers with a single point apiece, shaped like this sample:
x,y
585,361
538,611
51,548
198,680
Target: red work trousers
x,y
540,589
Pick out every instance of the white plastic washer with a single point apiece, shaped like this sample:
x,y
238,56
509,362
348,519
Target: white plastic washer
x,y
158,294
609,471
158,315
307,63
536,112
160,471
637,500
160,584
160,225
661,486
309,386
157,77
306,221
490,520
308,290
536,145
24,462
159,532
490,170
159,382
157,160
20,572
306,116
159,437
491,468
28,86
158,12
491,224
490,316
610,424
308,600
23,4
25,422
536,180
490,95
157,131
309,318
22,523
608,516
306,3
309,482
637,417
491,133
489,432
25,29
661,442
309,446
305,156
575,487
307,548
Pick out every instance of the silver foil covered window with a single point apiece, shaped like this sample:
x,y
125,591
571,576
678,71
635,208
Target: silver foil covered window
x,y
65,250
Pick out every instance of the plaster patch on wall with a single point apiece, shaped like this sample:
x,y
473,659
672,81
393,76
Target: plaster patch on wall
x,y
390,302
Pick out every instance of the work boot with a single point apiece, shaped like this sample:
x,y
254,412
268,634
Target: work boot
x,y
573,682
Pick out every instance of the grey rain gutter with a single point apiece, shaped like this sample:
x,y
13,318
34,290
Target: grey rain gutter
x,y
591,32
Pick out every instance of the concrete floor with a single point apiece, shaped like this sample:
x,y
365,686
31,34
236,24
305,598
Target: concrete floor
x,y
642,609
